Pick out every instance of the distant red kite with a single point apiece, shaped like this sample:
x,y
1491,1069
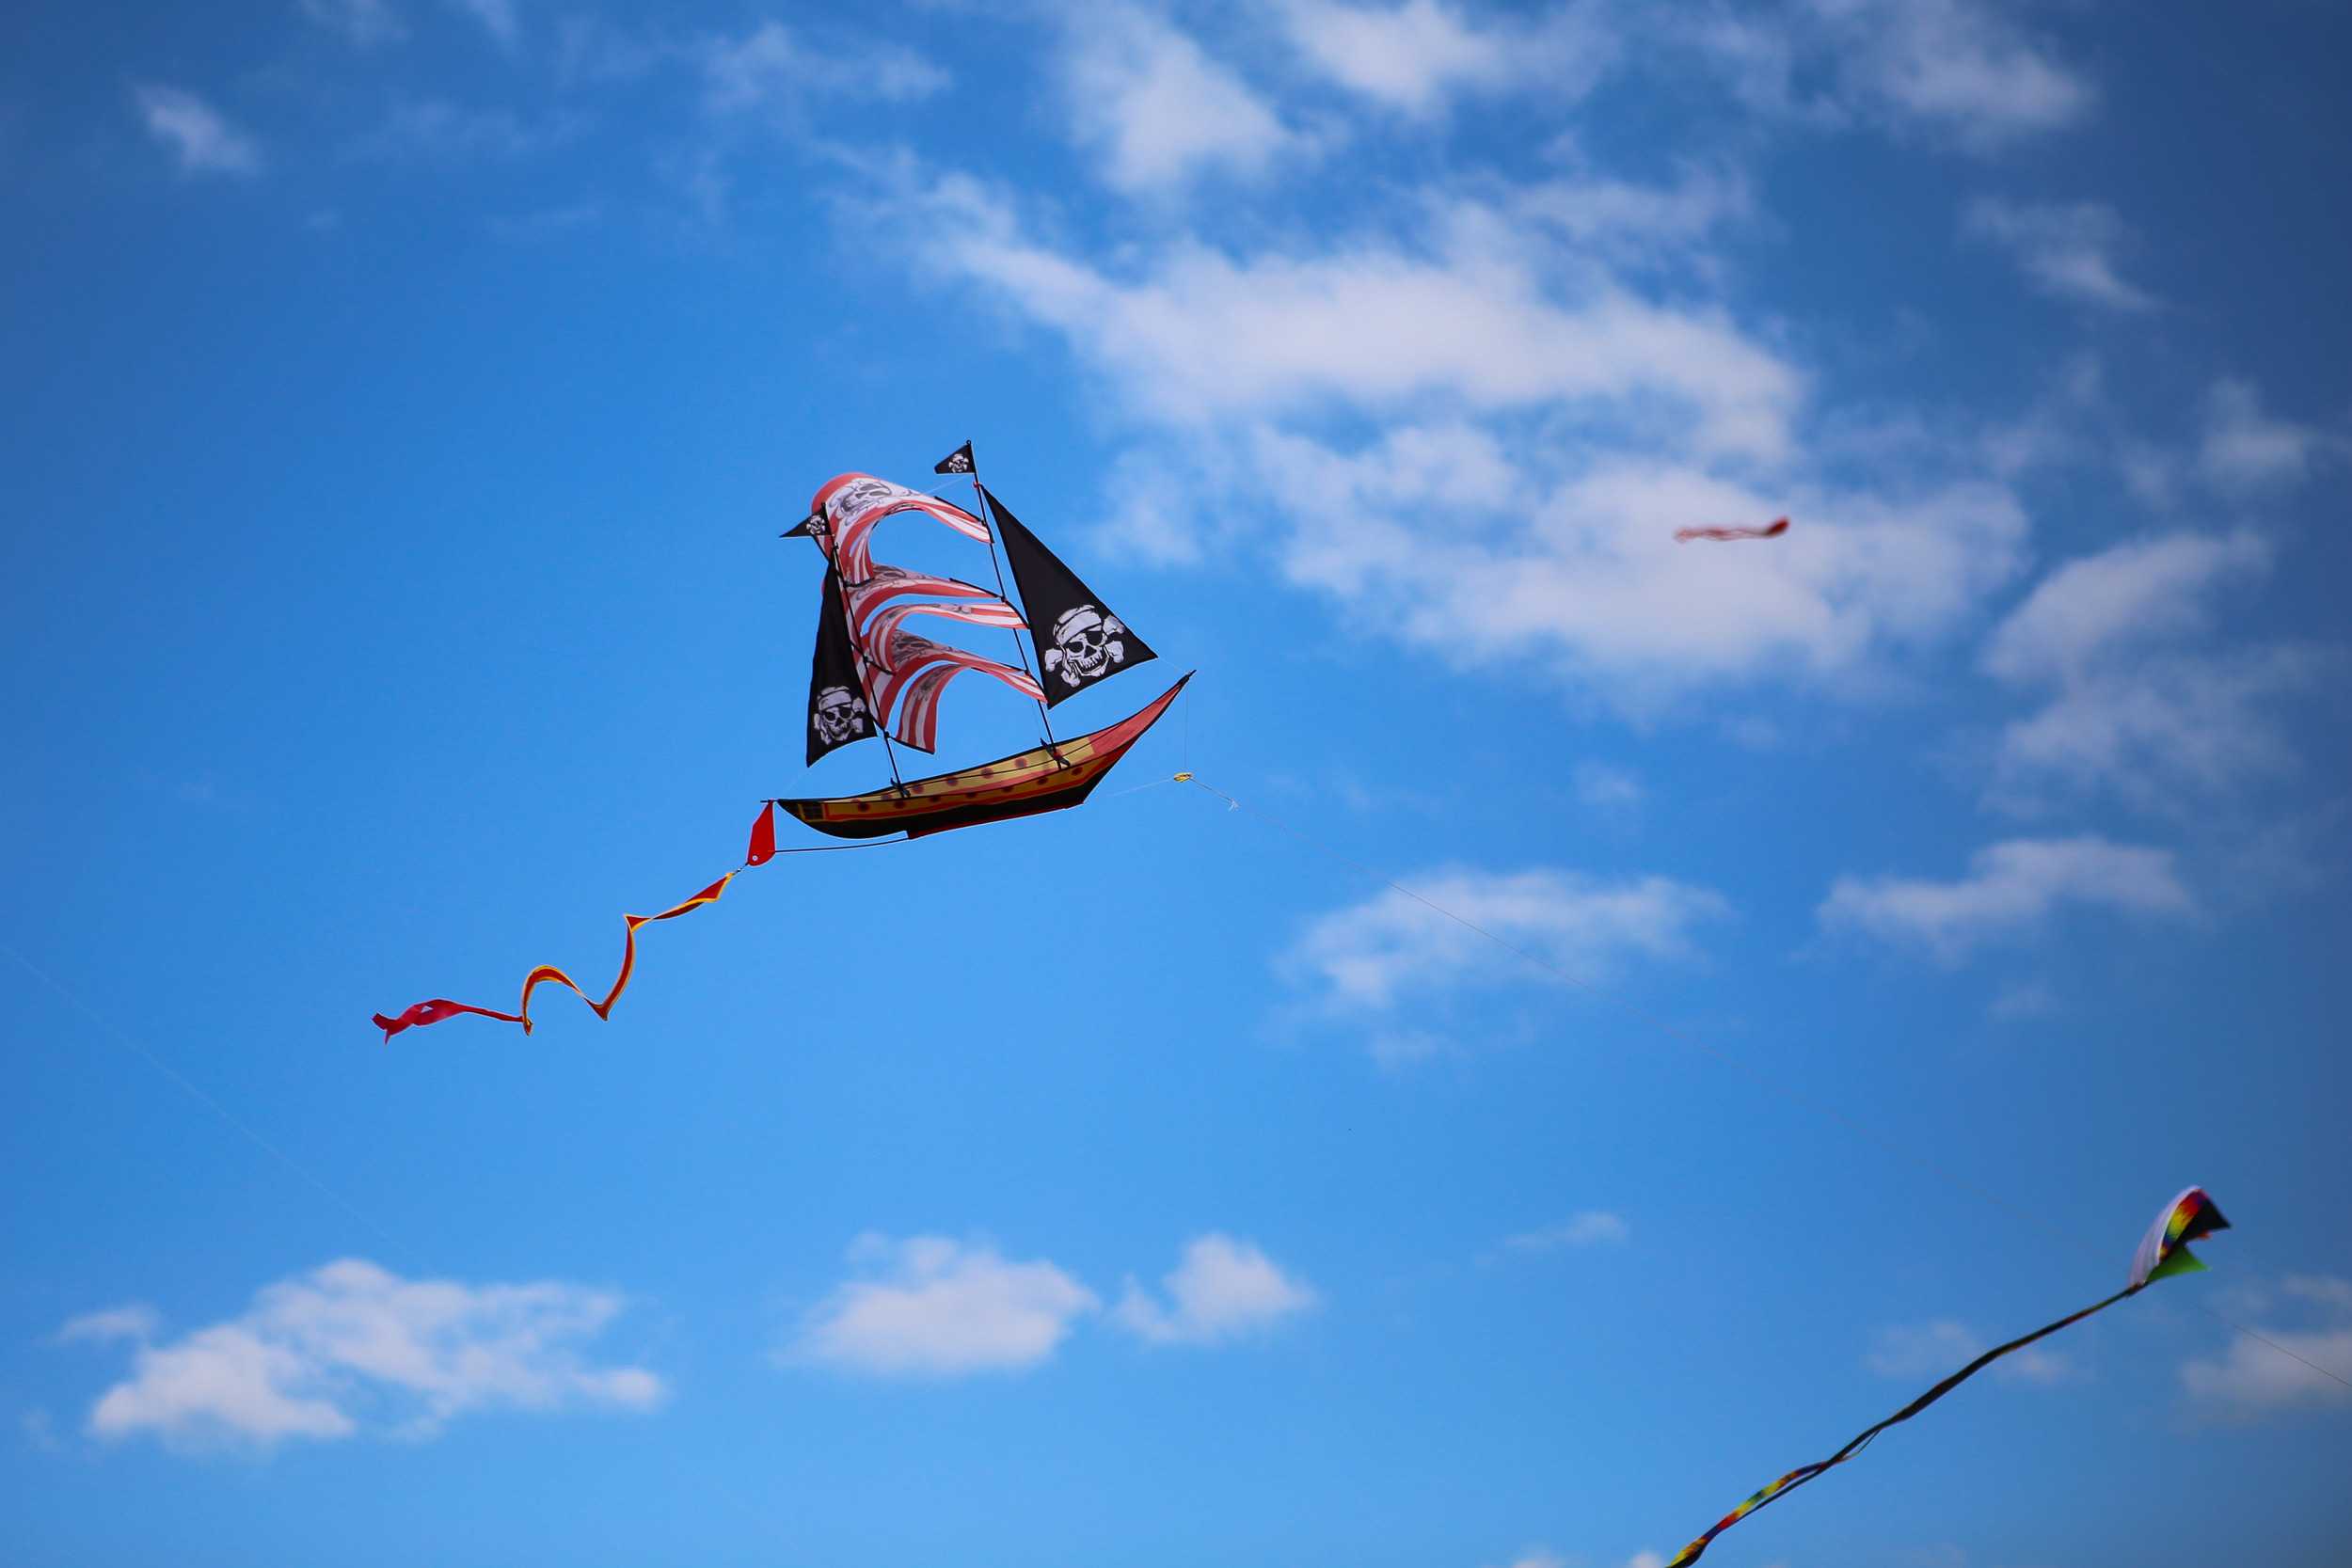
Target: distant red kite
x,y
1779,526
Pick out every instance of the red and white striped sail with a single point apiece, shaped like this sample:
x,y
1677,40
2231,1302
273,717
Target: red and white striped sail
x,y
887,627
912,657
919,714
853,504
884,583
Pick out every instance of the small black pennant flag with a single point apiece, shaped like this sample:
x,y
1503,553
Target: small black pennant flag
x,y
956,462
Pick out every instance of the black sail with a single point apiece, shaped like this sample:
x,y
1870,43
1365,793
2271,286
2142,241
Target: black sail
x,y
1078,640
836,696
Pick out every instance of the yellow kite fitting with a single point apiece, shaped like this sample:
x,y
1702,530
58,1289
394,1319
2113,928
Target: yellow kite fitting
x,y
1182,778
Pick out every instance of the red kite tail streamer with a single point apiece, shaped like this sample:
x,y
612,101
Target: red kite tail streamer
x,y
1684,535
761,851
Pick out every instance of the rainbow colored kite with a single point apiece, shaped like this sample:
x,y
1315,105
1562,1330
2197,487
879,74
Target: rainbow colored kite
x,y
2163,1252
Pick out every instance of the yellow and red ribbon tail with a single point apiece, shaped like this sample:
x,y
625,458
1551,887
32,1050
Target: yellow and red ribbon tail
x,y
439,1008
433,1012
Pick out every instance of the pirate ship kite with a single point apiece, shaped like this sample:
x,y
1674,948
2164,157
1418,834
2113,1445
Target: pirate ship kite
x,y
867,663
870,667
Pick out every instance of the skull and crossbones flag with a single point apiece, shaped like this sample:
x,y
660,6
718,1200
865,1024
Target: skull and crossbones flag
x,y
837,713
956,462
1078,640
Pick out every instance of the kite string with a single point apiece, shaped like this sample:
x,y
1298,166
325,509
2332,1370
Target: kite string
x,y
1763,1079
130,1042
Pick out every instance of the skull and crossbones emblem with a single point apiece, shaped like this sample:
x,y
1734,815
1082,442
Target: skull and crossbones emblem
x,y
839,714
1086,645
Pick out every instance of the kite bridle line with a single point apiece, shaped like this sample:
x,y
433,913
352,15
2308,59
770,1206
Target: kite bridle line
x,y
1763,1080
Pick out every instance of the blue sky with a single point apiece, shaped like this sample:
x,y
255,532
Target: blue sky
x,y
409,395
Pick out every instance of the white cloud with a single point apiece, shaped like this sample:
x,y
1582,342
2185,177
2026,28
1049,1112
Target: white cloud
x,y
770,68
349,1343
1587,577
1647,1559
2010,888
2068,251
2243,448
2117,601
1373,954
1957,66
1157,110
138,1320
195,132
1409,56
2163,733
2129,707
1470,313
1592,1228
497,17
1604,788
2251,1380
1414,57
1629,220
936,1308
1939,1347
1504,380
1223,1290
2023,999
361,22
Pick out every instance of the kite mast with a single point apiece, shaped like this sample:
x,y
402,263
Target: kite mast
x,y
971,464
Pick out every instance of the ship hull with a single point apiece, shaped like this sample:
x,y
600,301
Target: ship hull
x,y
1043,779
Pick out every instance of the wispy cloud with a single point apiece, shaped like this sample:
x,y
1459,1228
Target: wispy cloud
x,y
1470,310
138,1320
499,18
2023,999
2243,448
2251,1381
1631,220
932,1307
1157,110
2010,888
195,132
2138,700
1591,1227
1604,788
1223,1290
1959,66
362,24
1417,56
1463,353
774,71
2068,251
2118,602
1372,956
322,1354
